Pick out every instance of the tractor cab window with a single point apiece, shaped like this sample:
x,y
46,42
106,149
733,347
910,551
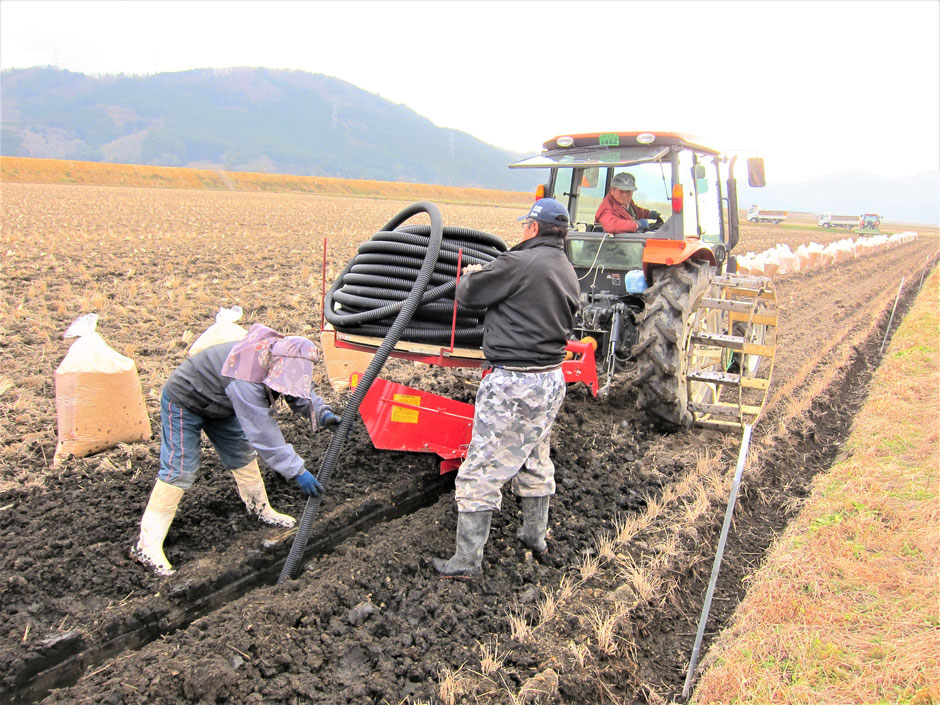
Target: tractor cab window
x,y
699,179
608,252
653,185
592,193
653,180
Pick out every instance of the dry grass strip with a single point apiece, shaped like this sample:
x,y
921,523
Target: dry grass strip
x,y
61,171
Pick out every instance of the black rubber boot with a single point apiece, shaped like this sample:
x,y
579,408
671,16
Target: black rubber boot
x,y
473,528
534,523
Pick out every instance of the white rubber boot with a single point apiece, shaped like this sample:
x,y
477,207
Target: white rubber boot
x,y
255,496
161,509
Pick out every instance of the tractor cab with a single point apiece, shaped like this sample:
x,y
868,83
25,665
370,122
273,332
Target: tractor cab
x,y
664,301
869,223
674,176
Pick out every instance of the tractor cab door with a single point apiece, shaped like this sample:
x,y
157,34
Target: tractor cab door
x,y
701,189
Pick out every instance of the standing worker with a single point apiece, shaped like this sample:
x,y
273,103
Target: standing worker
x,y
618,213
530,294
228,391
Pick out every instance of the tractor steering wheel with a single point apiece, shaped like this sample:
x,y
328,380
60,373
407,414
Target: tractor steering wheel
x,y
655,224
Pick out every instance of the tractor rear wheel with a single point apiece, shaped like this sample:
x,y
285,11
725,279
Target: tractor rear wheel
x,y
660,374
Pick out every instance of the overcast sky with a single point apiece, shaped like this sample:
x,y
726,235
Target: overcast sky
x,y
814,87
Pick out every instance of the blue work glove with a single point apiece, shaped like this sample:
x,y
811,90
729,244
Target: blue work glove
x,y
309,485
642,225
327,419
653,215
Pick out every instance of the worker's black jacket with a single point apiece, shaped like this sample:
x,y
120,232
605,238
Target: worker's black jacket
x,y
530,294
198,384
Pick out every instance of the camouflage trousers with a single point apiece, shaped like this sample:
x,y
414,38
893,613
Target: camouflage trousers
x,y
512,426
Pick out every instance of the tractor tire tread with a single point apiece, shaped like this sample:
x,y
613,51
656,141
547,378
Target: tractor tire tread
x,y
660,391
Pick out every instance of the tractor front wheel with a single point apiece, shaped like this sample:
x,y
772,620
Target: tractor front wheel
x,y
660,374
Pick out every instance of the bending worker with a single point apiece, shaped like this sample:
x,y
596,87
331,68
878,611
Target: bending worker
x,y
228,391
618,213
530,294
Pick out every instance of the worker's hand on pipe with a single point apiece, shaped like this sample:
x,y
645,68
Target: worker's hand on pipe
x,y
328,419
472,268
309,485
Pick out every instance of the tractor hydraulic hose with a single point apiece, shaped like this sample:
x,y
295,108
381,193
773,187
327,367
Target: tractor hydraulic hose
x,y
370,292
407,310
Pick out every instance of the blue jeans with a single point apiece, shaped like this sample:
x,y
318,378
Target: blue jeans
x,y
182,434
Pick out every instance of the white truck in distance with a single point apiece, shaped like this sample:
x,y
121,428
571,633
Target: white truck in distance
x,y
756,215
826,220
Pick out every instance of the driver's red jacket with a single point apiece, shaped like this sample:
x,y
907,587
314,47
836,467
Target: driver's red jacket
x,y
617,219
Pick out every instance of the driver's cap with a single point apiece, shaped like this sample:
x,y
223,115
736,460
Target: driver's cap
x,y
624,181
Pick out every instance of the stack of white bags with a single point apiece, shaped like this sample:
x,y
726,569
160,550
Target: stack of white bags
x,y
780,260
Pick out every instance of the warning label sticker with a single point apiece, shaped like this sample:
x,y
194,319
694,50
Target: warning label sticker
x,y
403,415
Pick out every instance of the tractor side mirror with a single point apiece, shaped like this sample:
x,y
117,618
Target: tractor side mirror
x,y
755,172
699,172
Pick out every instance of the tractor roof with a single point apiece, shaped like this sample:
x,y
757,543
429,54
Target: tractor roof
x,y
608,149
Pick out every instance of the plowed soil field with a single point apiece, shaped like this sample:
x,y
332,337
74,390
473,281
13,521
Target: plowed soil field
x,y
608,615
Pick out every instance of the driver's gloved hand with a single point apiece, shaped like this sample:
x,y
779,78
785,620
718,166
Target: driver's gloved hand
x,y
653,215
642,225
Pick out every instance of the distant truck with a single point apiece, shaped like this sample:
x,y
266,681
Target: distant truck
x,y
827,220
756,215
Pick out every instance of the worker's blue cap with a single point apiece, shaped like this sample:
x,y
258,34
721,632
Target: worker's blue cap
x,y
547,210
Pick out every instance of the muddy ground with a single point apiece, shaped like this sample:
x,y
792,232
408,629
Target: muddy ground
x,y
367,620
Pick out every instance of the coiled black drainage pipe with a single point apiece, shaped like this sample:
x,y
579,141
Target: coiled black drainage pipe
x,y
369,293
406,311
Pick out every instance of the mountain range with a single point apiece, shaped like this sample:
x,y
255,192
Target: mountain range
x,y
241,119
294,122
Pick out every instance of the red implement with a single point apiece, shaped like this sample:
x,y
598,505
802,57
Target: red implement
x,y
401,418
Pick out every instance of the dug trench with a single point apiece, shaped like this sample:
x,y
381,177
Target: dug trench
x,y
368,621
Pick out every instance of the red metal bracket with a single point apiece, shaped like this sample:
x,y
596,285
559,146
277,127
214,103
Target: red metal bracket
x,y
581,367
406,419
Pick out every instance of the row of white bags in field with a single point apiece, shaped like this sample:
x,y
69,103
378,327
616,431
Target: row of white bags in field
x,y
781,259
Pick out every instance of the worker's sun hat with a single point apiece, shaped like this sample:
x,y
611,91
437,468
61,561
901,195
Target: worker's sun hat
x,y
281,362
547,210
624,181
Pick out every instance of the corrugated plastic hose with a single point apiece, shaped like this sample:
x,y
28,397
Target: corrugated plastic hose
x,y
369,293
406,310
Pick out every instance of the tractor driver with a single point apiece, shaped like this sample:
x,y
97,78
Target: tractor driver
x,y
618,213
228,390
530,294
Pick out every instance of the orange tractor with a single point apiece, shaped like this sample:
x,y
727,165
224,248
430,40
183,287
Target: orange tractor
x,y
666,304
